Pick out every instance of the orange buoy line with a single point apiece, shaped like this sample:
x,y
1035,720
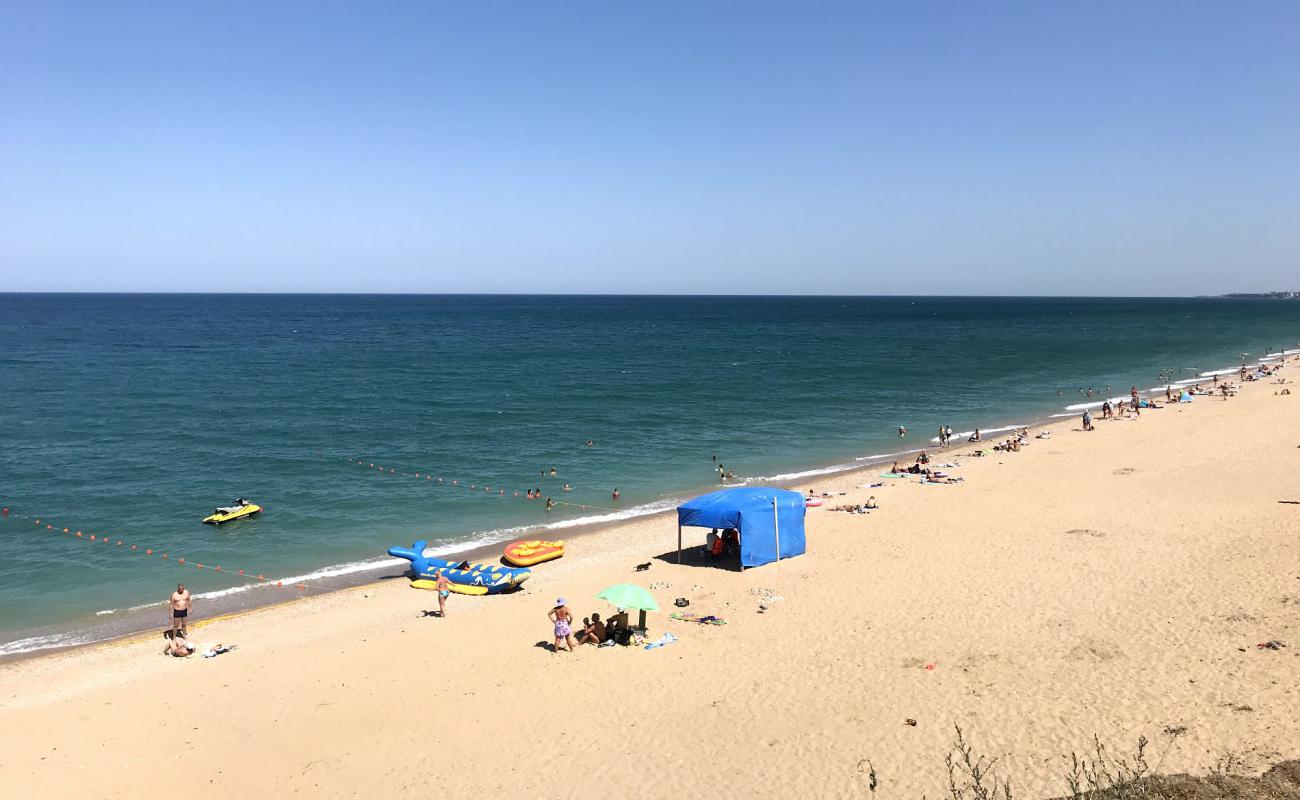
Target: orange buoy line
x,y
478,488
128,547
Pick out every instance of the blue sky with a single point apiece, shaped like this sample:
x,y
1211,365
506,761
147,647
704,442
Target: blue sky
x,y
858,148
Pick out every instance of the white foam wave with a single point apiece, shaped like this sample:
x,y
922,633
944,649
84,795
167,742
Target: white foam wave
x,y
1098,403
324,572
809,473
34,643
883,456
636,511
968,434
1213,372
132,608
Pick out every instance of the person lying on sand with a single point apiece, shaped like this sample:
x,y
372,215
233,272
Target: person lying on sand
x,y
178,646
850,508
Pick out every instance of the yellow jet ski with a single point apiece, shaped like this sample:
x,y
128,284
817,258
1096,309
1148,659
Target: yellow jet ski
x,y
242,509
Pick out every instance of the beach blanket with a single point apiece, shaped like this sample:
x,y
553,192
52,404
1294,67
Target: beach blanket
x,y
893,475
707,619
666,639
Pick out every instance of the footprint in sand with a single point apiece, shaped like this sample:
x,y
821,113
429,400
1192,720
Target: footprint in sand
x,y
1095,650
1125,471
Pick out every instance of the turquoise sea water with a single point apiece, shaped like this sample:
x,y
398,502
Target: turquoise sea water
x,y
135,415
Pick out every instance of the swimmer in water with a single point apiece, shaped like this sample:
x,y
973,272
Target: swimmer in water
x,y
552,472
568,488
549,504
615,494
901,431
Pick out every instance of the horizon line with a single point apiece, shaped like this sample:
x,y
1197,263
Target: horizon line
x,y
295,293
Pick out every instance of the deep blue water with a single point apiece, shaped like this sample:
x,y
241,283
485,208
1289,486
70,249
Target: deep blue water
x,y
135,415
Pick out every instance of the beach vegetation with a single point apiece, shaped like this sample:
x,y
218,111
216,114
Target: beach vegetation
x,y
1103,774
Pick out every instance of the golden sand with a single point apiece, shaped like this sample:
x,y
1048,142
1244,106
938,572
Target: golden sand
x,y
1114,582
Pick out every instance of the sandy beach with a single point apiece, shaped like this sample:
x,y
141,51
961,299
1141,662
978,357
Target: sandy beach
x,y
1114,583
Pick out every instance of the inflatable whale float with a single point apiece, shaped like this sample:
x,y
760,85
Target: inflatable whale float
x,y
484,578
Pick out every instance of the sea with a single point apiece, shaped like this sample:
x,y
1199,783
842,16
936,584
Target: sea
x,y
360,422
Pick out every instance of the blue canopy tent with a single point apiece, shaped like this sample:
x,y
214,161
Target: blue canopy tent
x,y
770,521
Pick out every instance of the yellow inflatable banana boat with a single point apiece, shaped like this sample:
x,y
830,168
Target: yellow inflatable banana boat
x,y
231,513
458,588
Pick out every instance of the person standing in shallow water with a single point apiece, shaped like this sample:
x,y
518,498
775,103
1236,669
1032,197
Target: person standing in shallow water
x,y
614,495
901,431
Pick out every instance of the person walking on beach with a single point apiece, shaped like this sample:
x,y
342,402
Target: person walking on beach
x,y
444,590
1087,421
562,619
180,608
947,434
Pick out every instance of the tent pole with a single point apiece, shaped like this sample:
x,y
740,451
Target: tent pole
x,y
679,543
776,526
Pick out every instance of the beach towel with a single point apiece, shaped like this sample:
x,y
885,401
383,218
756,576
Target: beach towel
x,y
667,638
893,475
707,619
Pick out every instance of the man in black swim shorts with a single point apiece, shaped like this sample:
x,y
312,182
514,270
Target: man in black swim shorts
x,y
180,608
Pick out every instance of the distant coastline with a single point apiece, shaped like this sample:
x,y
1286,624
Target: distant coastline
x,y
1261,295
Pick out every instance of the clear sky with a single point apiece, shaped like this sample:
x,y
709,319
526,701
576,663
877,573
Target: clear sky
x,y
1126,148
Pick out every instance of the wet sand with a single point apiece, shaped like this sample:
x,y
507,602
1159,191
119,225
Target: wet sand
x,y
1114,582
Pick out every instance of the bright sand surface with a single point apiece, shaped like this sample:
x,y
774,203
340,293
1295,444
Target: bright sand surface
x,y
1114,582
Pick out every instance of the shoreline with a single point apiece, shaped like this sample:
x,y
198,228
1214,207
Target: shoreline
x,y
1015,604
131,621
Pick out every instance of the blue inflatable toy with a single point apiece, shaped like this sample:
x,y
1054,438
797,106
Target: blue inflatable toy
x,y
484,578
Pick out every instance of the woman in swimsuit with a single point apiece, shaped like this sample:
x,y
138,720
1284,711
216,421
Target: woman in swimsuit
x,y
563,619
444,589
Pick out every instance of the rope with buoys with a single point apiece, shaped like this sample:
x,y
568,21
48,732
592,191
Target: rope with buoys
x,y
127,547
476,487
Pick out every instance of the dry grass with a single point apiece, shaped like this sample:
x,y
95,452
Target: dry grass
x,y
1103,775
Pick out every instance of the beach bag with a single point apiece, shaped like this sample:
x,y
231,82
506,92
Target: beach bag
x,y
624,636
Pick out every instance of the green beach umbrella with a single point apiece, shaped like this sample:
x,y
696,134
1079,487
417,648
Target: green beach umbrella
x,y
629,595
